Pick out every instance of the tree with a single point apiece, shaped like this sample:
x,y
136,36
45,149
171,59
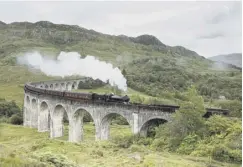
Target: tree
x,y
188,120
124,72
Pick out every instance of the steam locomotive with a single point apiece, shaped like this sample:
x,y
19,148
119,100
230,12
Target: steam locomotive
x,y
79,96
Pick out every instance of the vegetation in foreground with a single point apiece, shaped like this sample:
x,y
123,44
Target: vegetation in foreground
x,y
22,146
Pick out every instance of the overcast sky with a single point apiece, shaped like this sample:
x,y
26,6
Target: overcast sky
x,y
209,28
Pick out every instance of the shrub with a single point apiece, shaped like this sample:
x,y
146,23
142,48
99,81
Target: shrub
x,y
136,148
144,141
234,106
123,142
221,153
4,120
160,144
7,109
16,119
55,159
188,120
87,117
98,153
152,160
119,120
218,124
188,144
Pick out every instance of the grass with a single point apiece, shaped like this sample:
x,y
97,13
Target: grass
x,y
25,146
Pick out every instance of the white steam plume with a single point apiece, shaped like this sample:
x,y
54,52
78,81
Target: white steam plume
x,y
71,63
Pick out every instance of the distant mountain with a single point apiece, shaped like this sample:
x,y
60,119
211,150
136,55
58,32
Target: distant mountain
x,y
234,59
60,34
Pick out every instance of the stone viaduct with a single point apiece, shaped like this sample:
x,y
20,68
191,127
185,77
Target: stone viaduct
x,y
45,106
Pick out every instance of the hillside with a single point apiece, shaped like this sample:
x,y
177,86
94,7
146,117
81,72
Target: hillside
x,y
155,72
149,65
27,147
234,59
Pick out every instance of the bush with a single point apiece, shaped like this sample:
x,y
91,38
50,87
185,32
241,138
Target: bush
x,y
217,124
119,120
221,153
188,144
16,119
7,109
55,160
91,84
87,117
144,141
4,120
223,140
160,144
136,148
188,120
97,153
234,106
123,142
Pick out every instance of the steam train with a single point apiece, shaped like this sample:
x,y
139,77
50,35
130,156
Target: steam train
x,y
79,96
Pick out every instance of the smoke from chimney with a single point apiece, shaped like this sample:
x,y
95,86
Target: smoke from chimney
x,y
71,63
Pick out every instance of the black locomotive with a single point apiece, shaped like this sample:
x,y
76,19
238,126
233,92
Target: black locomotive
x,y
79,96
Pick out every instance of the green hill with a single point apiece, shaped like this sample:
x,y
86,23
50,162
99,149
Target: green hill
x,y
149,65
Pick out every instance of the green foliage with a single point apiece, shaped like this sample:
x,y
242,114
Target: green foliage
x,y
188,133
91,84
55,159
234,106
16,119
188,144
87,117
123,142
10,112
137,99
22,146
96,153
19,162
136,148
222,153
119,120
217,124
223,140
215,86
4,120
7,109
127,141
146,141
186,121
157,75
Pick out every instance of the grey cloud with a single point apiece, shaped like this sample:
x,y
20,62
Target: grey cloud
x,y
218,18
225,12
211,36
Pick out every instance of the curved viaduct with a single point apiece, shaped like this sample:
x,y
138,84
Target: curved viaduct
x,y
45,110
